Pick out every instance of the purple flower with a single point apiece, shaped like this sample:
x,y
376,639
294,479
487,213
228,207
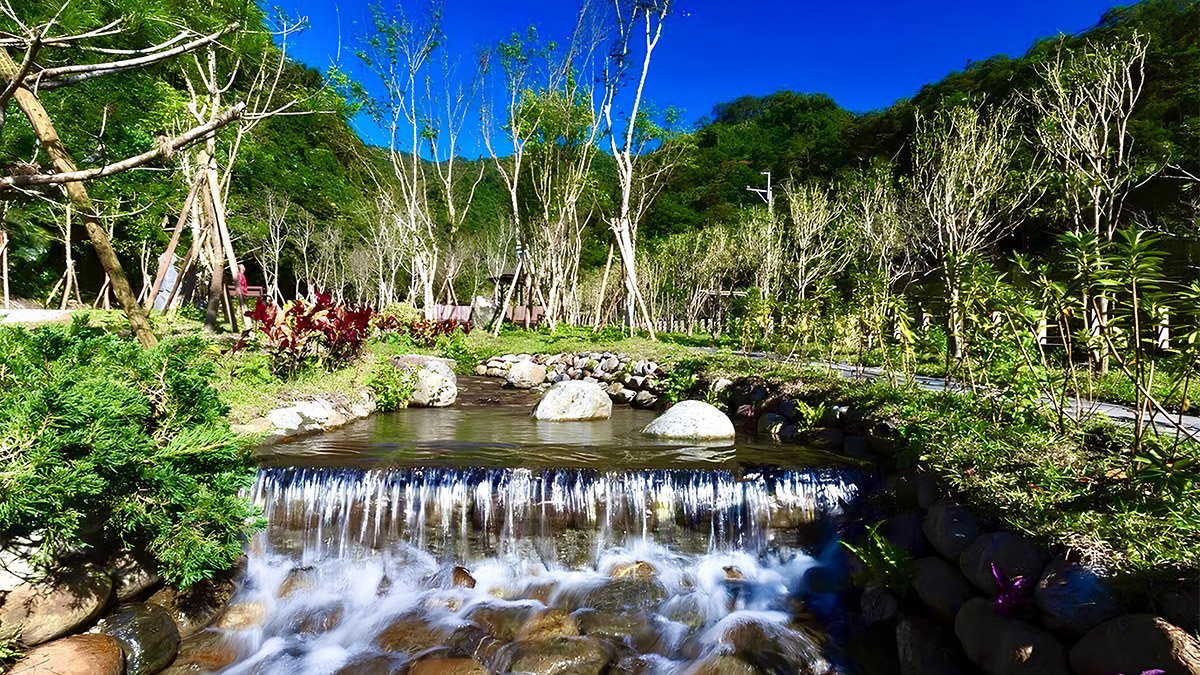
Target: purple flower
x,y
1013,593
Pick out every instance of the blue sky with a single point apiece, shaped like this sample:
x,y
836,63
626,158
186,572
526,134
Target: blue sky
x,y
866,54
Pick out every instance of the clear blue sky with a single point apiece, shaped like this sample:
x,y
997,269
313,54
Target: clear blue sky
x,y
866,54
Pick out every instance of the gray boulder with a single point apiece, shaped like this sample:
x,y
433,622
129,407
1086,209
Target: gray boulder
x,y
1013,555
526,374
574,400
1006,646
690,420
950,528
1072,598
940,586
1135,643
435,386
39,613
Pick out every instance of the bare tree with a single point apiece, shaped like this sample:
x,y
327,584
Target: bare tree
x,y
961,158
816,242
274,212
23,78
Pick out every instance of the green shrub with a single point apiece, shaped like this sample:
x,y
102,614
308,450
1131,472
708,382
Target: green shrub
x,y
455,346
393,387
107,444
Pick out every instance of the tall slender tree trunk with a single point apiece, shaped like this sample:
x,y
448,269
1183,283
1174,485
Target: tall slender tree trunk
x,y
43,128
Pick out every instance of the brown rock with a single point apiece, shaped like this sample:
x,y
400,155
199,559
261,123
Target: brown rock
x,y
1135,643
548,623
204,652
1006,646
132,577
147,634
299,579
242,615
461,578
411,633
640,569
500,621
721,664
41,612
447,667
196,607
74,655
950,528
560,656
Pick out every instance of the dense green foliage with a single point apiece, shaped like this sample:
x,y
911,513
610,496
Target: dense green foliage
x,y
103,443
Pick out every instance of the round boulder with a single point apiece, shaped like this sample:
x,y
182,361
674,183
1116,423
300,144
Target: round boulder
x,y
560,656
940,586
41,612
1072,598
434,383
147,634
574,400
1136,643
1005,646
691,420
950,528
1013,555
74,655
525,374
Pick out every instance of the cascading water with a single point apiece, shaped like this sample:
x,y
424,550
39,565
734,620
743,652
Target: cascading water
x,y
425,569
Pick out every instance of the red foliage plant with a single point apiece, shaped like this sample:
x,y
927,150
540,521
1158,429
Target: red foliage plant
x,y
422,331
301,332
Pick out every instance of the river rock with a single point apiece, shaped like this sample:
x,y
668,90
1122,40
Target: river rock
x,y
1014,556
632,592
691,420
1072,598
147,634
435,385
1136,643
634,630
460,666
195,608
501,621
204,652
771,424
637,568
74,655
1007,646
721,664
132,577
877,605
950,528
411,633
904,531
560,656
242,616
525,374
1182,608
547,624
572,400
644,399
923,648
41,612
940,586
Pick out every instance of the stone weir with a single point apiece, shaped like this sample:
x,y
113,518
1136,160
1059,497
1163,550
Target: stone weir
x,y
626,379
467,513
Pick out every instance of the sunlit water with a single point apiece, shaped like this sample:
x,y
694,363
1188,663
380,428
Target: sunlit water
x,y
453,533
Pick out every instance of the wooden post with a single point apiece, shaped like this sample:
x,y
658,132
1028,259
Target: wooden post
x,y
4,264
169,256
44,129
508,296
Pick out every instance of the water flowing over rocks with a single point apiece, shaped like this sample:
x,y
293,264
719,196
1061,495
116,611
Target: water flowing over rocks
x,y
691,420
74,655
572,400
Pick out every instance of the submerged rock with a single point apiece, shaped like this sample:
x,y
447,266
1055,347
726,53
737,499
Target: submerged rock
x,y
560,656
147,634
459,666
41,612
204,652
411,633
74,655
573,400
691,420
1136,643
721,664
548,624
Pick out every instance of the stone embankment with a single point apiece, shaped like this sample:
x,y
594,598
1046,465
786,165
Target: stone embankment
x,y
626,380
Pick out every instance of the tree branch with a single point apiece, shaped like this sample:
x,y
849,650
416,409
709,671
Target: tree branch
x,y
54,78
166,148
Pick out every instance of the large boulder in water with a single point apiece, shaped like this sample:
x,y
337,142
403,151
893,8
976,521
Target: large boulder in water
x,y
573,400
434,385
74,655
691,420
147,634
526,374
41,612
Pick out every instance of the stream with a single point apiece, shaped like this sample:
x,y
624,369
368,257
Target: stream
x,y
474,539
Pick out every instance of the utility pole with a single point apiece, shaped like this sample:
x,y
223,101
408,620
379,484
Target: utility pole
x,y
767,195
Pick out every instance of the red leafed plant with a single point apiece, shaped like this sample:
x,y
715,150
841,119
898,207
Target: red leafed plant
x,y
422,332
301,333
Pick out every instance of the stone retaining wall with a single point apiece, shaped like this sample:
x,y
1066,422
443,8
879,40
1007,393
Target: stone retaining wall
x,y
627,380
